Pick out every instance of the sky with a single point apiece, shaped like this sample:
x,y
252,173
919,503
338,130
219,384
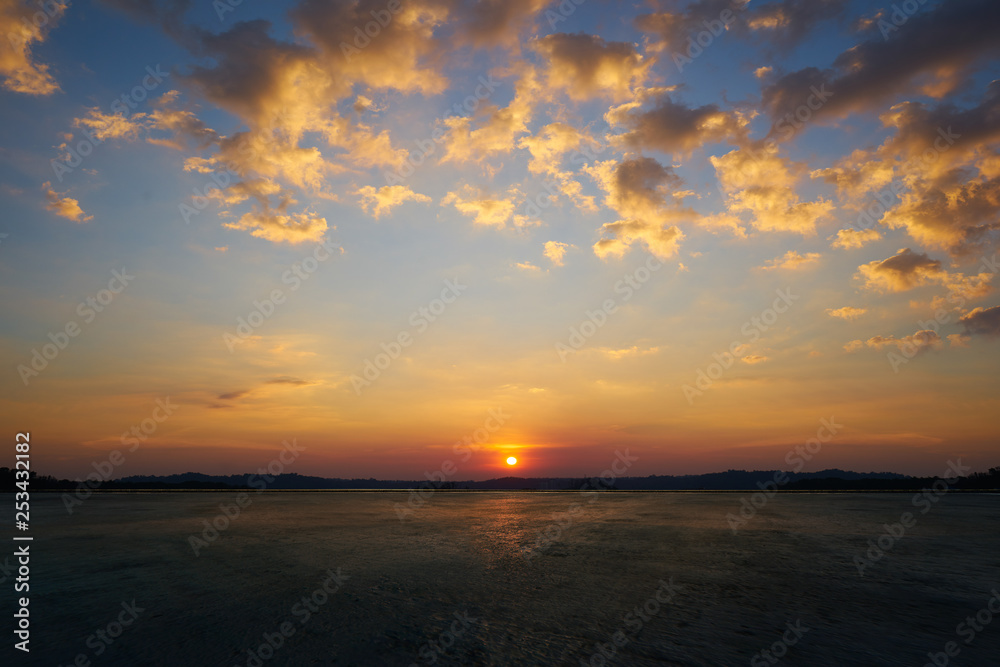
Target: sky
x,y
406,236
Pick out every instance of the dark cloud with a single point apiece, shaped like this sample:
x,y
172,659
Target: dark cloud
x,y
169,14
932,52
783,23
676,27
672,127
983,321
251,68
490,22
233,395
288,379
788,22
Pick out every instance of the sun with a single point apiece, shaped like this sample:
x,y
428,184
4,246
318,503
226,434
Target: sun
x,y
511,460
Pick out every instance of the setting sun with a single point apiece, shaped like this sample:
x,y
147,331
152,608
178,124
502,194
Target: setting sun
x,y
511,460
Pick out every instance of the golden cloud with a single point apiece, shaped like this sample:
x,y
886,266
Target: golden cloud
x,y
791,260
377,202
63,206
487,210
903,271
280,227
848,313
555,251
23,25
855,238
761,183
585,66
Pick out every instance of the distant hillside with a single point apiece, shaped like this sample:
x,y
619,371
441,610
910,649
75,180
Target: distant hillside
x,y
731,480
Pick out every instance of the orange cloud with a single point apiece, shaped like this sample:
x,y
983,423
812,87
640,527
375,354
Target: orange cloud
x,y
791,260
855,238
903,271
752,359
846,313
281,228
585,66
65,207
499,131
555,251
638,190
486,210
921,341
377,202
762,184
23,25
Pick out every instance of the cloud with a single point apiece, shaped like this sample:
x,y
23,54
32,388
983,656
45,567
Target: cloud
x,y
185,128
377,202
943,164
762,183
23,25
586,67
112,126
272,155
486,209
791,260
555,251
956,214
284,380
622,353
640,191
527,266
908,269
854,346
918,342
958,340
676,29
846,313
289,380
788,22
785,22
927,142
498,132
930,53
672,127
233,395
855,238
63,206
967,288
550,144
399,56
496,22
279,227
752,359
903,271
168,15
982,321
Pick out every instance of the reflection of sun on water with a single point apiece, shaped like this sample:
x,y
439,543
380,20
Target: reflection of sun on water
x,y
501,530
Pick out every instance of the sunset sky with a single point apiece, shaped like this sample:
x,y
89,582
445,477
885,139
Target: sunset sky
x,y
774,213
